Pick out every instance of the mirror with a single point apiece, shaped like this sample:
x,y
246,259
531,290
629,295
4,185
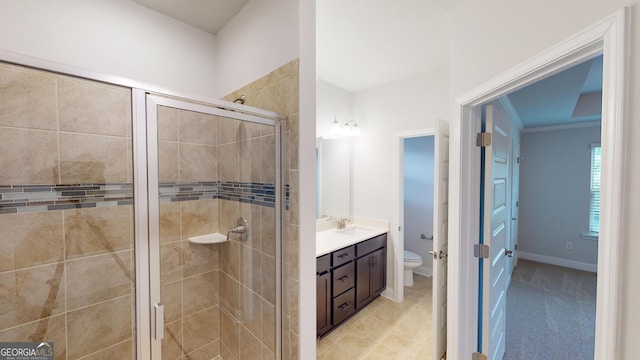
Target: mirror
x,y
333,178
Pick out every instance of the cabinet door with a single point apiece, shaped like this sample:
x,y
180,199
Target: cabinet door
x,y
363,283
379,271
323,303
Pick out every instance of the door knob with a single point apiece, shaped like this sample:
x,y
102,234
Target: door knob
x,y
438,255
509,253
424,237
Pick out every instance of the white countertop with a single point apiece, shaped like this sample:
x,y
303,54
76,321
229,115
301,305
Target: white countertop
x,y
334,239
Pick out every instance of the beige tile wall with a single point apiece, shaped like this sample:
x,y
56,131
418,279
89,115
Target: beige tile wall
x,y
66,276
277,91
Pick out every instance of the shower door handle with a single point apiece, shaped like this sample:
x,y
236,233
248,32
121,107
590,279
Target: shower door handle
x,y
159,321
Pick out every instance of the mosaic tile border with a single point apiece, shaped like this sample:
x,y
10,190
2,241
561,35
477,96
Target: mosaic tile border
x,y
37,198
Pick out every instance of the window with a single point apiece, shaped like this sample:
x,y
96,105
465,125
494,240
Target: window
x,y
594,200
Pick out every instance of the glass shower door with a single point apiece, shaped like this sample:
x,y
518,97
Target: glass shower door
x,y
67,275
213,292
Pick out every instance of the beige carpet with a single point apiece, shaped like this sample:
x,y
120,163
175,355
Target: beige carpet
x,y
551,313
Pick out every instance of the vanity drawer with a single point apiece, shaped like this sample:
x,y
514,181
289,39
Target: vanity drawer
x,y
371,245
343,306
342,256
343,278
323,264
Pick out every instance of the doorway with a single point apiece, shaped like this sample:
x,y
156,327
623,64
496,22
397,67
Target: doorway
x,y
439,247
418,163
607,37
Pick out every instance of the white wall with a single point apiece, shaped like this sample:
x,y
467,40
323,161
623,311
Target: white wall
x,y
306,135
414,103
331,102
112,37
404,105
489,37
418,198
554,194
262,37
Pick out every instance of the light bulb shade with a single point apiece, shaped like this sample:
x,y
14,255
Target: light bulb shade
x,y
355,130
336,128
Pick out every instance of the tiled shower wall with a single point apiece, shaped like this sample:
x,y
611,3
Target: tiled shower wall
x,y
219,298
66,258
66,219
278,91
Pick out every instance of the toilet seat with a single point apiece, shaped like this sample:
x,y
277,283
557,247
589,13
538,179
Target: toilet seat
x,y
410,256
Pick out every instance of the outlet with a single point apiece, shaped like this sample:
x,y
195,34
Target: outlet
x,y
568,245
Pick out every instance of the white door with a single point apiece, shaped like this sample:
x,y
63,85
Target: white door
x,y
515,190
440,238
496,221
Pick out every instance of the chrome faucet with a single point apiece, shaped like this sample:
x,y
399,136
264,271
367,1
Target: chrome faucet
x,y
342,223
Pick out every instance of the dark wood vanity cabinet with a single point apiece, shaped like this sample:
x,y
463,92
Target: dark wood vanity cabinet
x,y
372,274
348,279
323,294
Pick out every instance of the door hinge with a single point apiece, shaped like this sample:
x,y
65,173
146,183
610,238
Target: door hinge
x,y
483,139
478,356
481,251
516,247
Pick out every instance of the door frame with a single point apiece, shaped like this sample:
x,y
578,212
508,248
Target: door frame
x,y
398,208
609,37
153,102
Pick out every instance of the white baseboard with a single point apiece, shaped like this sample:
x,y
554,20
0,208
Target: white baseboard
x,y
423,270
389,294
578,265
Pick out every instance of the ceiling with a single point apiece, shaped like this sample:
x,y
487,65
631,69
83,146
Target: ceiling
x,y
364,43
207,15
573,95
359,43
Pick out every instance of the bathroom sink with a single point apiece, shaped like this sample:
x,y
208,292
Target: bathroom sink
x,y
355,231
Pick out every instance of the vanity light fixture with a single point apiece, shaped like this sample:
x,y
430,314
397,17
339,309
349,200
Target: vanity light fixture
x,y
336,128
352,128
349,128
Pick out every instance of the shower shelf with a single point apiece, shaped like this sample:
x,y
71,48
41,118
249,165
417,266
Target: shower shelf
x,y
208,239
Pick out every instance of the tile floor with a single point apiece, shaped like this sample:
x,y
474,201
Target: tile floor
x,y
385,329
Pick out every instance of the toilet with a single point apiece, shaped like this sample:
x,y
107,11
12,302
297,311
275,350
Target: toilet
x,y
411,261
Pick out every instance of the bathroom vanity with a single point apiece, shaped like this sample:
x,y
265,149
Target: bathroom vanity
x,y
348,277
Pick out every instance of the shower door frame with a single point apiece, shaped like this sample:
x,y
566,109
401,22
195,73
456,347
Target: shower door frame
x,y
153,101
